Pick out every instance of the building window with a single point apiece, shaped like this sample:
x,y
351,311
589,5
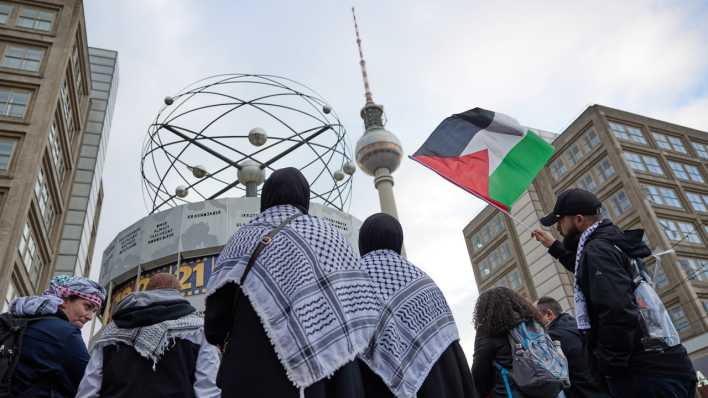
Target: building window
x,y
628,133
22,58
5,12
701,150
695,268
558,169
76,65
44,201
679,318
591,138
29,253
574,154
32,18
662,196
587,183
514,280
495,259
620,203
605,170
680,231
705,305
604,213
669,143
66,107
698,201
57,153
686,172
660,279
14,102
7,147
488,232
643,163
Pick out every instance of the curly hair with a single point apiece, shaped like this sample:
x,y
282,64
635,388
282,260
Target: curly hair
x,y
500,309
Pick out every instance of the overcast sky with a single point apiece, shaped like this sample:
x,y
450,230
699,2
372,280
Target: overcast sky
x,y
540,62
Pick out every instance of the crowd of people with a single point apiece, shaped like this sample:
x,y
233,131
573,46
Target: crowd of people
x,y
293,311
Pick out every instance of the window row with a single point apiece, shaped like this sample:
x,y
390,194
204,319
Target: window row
x,y
575,153
650,165
663,141
488,232
594,179
27,17
665,196
495,259
29,253
616,206
680,231
512,280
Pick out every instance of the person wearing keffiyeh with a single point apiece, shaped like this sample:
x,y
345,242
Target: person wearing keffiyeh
x,y
295,325
415,351
598,253
53,355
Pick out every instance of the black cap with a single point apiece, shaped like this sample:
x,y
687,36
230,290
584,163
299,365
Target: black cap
x,y
571,202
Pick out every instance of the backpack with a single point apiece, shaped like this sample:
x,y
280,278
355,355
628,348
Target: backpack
x,y
658,331
12,331
539,368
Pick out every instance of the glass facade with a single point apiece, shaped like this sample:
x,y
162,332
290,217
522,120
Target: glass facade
x,y
84,203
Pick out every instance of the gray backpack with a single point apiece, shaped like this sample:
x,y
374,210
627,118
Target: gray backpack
x,y
539,368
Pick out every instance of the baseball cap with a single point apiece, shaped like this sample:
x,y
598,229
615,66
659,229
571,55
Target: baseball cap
x,y
570,202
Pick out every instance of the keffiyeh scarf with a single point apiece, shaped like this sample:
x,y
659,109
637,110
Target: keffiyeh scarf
x,y
152,341
415,324
316,304
581,306
60,287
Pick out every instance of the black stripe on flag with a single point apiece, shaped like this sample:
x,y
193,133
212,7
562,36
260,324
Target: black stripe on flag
x,y
451,136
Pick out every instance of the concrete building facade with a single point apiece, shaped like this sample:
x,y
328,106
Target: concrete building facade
x,y
44,103
649,174
78,235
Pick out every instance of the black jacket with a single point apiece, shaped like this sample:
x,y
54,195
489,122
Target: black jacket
x,y
615,337
52,359
123,367
564,329
249,365
487,378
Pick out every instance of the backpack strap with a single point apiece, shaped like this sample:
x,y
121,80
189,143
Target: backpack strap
x,y
262,243
505,378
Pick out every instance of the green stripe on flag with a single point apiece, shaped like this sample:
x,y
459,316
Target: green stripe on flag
x,y
518,168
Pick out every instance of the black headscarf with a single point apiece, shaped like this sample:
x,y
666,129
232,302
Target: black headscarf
x,y
380,231
286,187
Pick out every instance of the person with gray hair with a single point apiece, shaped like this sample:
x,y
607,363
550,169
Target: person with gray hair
x,y
153,347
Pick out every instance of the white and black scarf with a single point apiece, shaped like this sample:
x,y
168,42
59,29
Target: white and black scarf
x,y
415,324
316,304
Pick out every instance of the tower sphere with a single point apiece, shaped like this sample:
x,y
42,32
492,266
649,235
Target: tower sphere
x,y
378,148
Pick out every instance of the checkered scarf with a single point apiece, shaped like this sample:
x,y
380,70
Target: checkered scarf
x,y
415,324
581,305
308,290
60,287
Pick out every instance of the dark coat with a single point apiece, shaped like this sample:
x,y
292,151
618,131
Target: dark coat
x,y
52,361
250,366
449,378
615,337
174,374
487,378
564,329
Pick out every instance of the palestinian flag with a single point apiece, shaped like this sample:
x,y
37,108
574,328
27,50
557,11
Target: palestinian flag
x,y
487,154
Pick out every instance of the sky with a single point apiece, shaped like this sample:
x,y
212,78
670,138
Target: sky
x,y
540,62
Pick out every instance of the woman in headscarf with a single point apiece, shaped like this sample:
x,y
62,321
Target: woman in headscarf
x,y
415,350
53,355
294,325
